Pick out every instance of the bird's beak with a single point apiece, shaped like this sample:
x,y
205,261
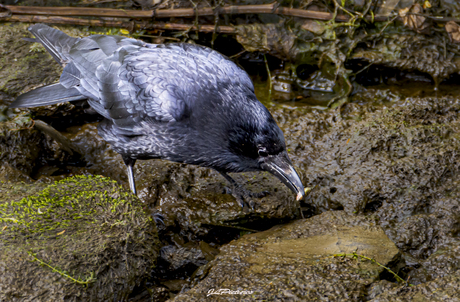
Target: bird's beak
x,y
281,166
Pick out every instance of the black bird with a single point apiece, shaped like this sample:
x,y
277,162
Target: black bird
x,y
181,102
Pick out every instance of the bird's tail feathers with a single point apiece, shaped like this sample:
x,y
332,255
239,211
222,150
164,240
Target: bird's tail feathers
x,y
55,41
47,95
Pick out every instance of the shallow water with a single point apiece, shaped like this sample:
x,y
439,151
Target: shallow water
x,y
319,100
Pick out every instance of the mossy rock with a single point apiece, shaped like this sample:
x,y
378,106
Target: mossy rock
x,y
25,65
80,239
20,144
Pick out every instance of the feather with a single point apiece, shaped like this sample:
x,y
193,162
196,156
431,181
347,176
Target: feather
x,y
47,95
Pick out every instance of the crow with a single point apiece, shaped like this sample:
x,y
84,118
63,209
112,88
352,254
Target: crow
x,y
180,102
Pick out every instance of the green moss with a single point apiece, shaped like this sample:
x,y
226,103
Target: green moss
x,y
80,228
55,204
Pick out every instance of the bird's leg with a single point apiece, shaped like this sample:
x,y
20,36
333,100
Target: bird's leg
x,y
241,193
129,162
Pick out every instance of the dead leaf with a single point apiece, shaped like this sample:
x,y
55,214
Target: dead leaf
x,y
386,7
314,26
453,29
415,22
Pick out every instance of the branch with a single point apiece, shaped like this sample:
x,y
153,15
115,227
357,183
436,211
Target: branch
x,y
131,25
180,12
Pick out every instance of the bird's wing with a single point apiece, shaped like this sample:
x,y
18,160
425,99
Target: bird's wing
x,y
85,56
161,83
55,41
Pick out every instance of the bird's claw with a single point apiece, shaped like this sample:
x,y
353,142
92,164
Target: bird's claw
x,y
243,196
259,194
158,218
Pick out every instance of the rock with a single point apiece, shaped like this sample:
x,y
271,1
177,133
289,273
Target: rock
x,y
296,261
10,174
443,262
82,238
25,66
405,52
379,287
442,289
399,165
28,64
20,145
194,199
191,255
25,150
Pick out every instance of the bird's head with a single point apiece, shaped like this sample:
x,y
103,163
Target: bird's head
x,y
260,145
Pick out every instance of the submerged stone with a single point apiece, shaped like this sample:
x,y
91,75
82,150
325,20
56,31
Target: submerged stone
x,y
79,239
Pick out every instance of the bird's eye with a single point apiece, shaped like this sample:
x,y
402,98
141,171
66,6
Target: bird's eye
x,y
263,152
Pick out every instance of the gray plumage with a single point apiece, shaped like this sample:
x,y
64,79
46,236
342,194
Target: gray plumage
x,y
181,102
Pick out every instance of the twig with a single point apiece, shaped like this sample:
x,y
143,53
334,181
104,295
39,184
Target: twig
x,y
353,17
233,227
388,23
63,141
269,78
156,37
364,68
237,54
216,25
197,25
25,128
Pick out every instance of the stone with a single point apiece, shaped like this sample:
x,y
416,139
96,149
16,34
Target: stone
x,y
311,259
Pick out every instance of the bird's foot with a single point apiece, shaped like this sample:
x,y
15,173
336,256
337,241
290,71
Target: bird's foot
x,y
243,196
158,218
